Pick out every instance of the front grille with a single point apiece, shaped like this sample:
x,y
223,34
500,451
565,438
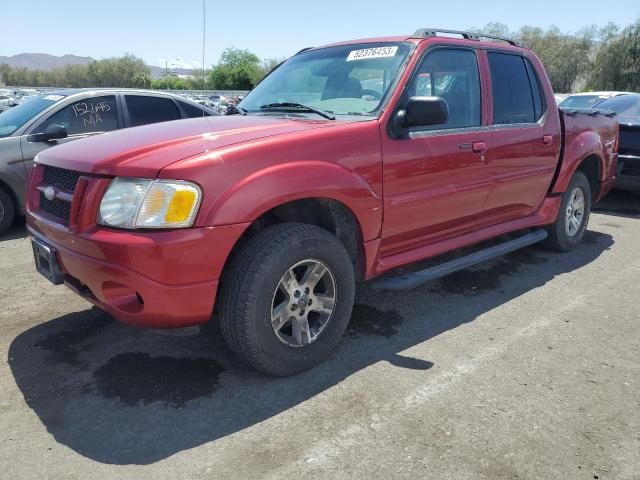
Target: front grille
x,y
58,208
61,178
64,180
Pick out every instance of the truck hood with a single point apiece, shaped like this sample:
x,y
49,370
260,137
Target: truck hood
x,y
144,151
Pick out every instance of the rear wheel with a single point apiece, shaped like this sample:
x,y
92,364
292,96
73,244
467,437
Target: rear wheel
x,y
568,229
7,211
286,298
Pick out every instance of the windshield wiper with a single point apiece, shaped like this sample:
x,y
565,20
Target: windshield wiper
x,y
297,107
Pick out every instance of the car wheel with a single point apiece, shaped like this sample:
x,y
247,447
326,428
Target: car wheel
x,y
286,298
568,229
7,211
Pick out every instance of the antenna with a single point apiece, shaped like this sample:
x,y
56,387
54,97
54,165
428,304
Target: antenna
x,y
204,37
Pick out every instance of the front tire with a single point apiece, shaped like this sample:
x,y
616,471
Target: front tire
x,y
286,298
7,211
568,229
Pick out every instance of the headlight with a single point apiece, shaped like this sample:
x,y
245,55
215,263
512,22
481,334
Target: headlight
x,y
138,203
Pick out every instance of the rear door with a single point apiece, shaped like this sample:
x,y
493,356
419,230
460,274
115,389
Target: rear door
x,y
435,181
146,109
525,139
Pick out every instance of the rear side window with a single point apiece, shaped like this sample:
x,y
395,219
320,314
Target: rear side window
x,y
513,98
453,75
90,115
144,110
191,111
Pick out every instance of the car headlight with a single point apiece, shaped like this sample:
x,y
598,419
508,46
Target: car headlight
x,y
140,203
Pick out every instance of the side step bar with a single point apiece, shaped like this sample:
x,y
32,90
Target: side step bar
x,y
411,280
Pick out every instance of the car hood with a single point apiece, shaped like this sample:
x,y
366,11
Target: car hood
x,y
144,151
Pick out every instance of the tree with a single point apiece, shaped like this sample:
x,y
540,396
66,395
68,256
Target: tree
x,y
565,57
617,61
269,64
237,70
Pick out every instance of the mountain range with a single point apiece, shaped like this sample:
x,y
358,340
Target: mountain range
x,y
44,61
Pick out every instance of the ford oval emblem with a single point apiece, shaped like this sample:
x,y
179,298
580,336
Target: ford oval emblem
x,y
49,193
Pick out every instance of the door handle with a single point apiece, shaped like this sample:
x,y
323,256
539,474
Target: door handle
x,y
547,139
479,147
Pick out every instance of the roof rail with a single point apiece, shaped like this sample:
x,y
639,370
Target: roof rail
x,y
433,32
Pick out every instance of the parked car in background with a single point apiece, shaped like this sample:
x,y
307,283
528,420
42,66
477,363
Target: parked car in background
x,y
588,99
6,102
628,109
203,100
24,95
272,214
60,117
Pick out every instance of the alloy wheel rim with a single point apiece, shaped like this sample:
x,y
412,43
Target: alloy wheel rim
x,y
303,303
575,212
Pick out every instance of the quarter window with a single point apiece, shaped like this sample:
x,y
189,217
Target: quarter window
x,y
453,75
90,115
144,110
514,99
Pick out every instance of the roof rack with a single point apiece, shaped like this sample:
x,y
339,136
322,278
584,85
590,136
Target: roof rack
x,y
433,32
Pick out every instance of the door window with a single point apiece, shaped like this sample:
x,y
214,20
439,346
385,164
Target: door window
x,y
146,109
514,99
90,115
453,75
192,111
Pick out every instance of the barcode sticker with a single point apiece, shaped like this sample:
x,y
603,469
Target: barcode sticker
x,y
379,52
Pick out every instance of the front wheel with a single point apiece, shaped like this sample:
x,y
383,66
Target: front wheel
x,y
286,298
568,229
7,211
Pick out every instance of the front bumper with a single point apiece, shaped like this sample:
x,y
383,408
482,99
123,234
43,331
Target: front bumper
x,y
163,279
628,177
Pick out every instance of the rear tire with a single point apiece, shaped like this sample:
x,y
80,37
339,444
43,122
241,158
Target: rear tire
x,y
7,211
286,298
568,229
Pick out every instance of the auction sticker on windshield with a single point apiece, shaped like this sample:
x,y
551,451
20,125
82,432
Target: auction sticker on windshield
x,y
379,52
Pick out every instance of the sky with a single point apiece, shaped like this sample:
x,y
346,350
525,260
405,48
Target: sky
x,y
159,30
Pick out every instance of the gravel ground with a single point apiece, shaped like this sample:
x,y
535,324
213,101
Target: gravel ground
x,y
525,367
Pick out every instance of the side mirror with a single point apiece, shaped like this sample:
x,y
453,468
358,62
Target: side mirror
x,y
52,132
423,111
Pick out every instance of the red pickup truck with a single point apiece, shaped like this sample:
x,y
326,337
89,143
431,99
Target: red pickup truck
x,y
347,161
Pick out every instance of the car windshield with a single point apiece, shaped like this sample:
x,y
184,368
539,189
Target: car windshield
x,y
582,101
626,106
341,80
12,120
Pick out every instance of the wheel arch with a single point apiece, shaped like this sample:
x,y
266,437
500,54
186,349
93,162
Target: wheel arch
x,y
584,153
328,213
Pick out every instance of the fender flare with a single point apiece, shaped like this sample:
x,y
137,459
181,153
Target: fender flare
x,y
276,185
583,146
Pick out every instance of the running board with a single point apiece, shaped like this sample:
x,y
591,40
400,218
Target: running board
x,y
411,280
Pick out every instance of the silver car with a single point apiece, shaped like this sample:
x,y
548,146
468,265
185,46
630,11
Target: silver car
x,y
59,117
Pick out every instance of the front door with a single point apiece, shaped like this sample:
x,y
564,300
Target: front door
x,y
436,182
81,118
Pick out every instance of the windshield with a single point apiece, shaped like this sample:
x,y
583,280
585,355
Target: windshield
x,y
12,120
626,106
342,80
582,101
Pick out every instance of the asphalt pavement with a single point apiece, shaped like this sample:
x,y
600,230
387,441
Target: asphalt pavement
x,y
525,367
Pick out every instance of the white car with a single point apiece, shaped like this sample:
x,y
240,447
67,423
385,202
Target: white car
x,y
588,99
6,102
